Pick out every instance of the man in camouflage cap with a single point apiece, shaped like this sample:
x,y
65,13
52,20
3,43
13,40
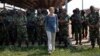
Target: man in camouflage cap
x,y
62,35
93,21
76,20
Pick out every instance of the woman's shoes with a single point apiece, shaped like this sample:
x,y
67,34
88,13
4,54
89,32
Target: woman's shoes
x,y
49,52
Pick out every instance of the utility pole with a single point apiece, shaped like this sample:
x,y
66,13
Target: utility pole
x,y
82,4
4,6
66,5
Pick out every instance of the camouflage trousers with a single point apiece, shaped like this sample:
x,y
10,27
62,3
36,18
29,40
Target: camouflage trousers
x,y
22,34
78,35
62,35
94,36
4,37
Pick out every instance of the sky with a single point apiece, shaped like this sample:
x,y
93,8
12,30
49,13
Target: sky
x,y
78,4
75,4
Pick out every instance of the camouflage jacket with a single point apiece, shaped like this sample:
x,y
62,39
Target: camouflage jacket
x,y
93,20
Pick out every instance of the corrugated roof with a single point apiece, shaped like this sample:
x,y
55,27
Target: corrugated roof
x,y
35,3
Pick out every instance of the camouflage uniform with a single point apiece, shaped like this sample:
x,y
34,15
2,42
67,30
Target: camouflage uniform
x,y
41,34
93,20
4,27
31,26
62,35
2,31
72,25
12,28
40,30
21,28
77,26
84,24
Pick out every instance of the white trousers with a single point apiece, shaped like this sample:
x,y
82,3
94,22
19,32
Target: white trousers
x,y
51,40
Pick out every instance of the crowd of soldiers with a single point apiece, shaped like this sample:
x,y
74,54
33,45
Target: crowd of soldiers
x,y
81,21
20,27
13,27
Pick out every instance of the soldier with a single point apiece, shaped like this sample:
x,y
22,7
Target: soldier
x,y
77,23
41,34
93,21
44,36
31,28
21,28
63,28
1,29
5,25
72,24
84,24
4,28
12,29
